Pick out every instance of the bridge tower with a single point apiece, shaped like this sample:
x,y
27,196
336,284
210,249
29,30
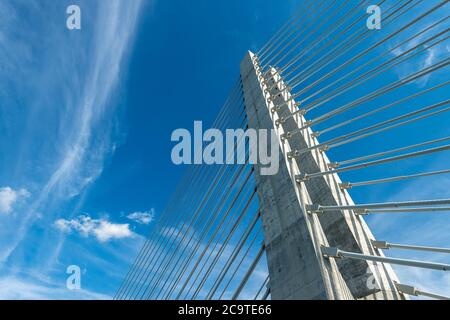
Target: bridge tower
x,y
297,234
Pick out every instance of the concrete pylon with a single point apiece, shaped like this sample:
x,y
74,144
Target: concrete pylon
x,y
293,236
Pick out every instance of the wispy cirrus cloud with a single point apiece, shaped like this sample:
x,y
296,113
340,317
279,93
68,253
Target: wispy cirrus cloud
x,y
60,94
80,113
9,196
18,289
434,51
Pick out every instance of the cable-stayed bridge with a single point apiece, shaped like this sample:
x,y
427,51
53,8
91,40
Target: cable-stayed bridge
x,y
328,86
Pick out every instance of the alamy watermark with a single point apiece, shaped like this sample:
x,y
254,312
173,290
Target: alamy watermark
x,y
374,20
73,21
234,146
73,281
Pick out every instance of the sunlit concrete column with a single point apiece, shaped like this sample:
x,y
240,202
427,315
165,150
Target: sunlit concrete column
x,y
293,237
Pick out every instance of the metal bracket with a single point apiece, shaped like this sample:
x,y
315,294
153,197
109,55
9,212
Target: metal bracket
x,y
275,109
328,252
405,289
277,123
324,148
293,154
280,121
302,177
333,165
313,209
380,244
345,185
286,136
301,112
360,212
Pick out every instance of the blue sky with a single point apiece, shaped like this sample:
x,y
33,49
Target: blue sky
x,y
85,124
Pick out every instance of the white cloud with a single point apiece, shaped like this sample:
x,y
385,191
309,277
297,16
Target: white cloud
x,y
101,229
142,217
85,85
13,288
8,197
